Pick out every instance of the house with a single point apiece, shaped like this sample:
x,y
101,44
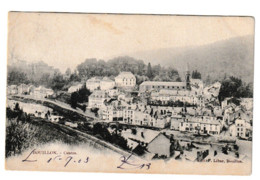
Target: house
x,y
97,99
159,145
160,122
175,121
106,84
40,114
128,115
42,92
23,89
12,90
141,135
112,92
125,97
125,80
93,83
241,129
75,88
111,112
165,96
197,86
31,89
247,103
54,118
212,90
200,125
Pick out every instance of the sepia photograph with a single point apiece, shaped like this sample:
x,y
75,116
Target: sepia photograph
x,y
129,93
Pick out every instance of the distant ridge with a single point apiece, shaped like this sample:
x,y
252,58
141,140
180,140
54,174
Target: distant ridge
x,y
233,56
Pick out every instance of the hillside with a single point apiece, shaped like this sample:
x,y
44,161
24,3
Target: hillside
x,y
231,57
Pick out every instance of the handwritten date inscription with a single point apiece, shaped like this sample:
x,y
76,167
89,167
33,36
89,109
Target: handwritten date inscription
x,y
66,159
126,162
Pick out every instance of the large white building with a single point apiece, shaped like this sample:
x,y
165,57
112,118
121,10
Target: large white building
x,y
201,124
106,84
23,89
241,128
42,92
97,99
159,85
12,90
125,80
93,83
96,83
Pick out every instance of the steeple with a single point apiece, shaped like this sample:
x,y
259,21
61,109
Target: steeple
x,y
187,77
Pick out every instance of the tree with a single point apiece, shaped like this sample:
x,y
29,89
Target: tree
x,y
57,82
74,99
16,77
68,72
196,75
83,94
149,71
234,87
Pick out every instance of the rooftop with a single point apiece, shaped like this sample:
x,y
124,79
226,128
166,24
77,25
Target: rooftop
x,y
161,83
125,74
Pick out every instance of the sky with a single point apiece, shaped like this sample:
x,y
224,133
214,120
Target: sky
x,y
65,40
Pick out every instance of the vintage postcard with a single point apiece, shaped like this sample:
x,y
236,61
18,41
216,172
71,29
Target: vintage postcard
x,y
129,93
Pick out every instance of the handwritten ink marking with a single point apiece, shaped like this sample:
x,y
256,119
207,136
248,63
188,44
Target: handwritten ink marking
x,y
68,159
87,159
125,162
27,158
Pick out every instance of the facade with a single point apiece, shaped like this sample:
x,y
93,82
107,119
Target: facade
x,y
12,90
23,89
247,103
201,125
111,113
112,92
197,86
31,89
106,84
55,118
125,80
158,85
97,99
165,96
93,83
175,121
42,92
241,129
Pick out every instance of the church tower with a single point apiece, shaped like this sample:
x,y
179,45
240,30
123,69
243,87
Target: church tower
x,y
187,78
